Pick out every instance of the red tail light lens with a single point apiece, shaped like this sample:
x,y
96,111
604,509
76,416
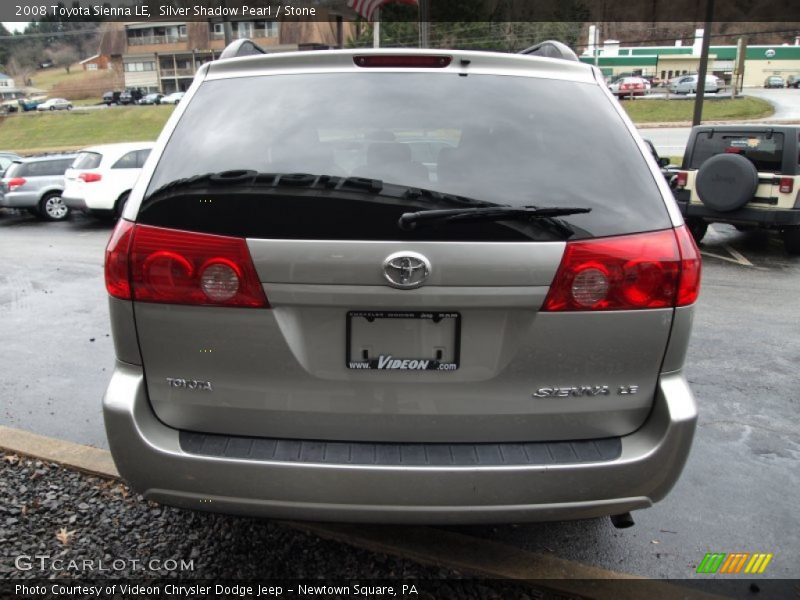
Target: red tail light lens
x,y
786,185
647,270
181,267
90,177
691,266
682,178
116,267
15,182
152,264
400,60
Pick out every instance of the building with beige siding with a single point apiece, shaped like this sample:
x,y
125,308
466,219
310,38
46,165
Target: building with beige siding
x,y
163,56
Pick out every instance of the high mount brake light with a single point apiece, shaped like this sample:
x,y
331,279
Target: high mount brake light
x,y
647,270
426,61
153,264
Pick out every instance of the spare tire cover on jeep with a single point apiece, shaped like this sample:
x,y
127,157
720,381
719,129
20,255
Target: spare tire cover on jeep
x,y
726,182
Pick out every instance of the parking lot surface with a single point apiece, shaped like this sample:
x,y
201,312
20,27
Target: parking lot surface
x,y
739,490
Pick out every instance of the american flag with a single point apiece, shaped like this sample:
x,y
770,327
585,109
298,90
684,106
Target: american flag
x,y
367,8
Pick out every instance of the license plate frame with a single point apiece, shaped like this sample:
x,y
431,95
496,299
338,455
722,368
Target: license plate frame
x,y
393,363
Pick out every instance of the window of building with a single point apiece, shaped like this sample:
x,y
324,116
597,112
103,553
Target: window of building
x,y
91,67
135,67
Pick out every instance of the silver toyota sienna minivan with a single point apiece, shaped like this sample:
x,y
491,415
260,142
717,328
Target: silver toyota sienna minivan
x,y
401,286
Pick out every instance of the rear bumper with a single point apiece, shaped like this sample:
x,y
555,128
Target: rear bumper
x,y
74,203
772,217
149,456
19,200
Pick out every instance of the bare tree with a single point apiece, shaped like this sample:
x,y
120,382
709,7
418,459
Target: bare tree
x,y
63,56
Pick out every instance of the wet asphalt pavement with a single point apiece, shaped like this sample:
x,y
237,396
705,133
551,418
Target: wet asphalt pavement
x,y
739,490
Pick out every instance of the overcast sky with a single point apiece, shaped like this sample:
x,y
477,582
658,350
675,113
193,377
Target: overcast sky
x,y
15,26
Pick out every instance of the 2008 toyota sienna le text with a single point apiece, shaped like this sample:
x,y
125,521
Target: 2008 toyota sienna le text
x,y
406,286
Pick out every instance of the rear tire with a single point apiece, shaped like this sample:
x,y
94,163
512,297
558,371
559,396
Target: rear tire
x,y
791,240
119,205
52,207
697,227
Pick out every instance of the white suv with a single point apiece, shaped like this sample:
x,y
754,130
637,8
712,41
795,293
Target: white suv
x,y
101,177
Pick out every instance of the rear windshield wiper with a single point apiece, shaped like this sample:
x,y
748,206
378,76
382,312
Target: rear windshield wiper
x,y
411,220
230,180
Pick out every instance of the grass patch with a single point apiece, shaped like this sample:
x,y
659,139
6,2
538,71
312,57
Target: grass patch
x,y
75,129
45,79
667,111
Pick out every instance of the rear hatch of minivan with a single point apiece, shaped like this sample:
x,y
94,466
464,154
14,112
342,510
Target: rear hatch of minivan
x,y
276,293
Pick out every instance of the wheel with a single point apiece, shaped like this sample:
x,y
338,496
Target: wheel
x,y
697,227
52,108
119,205
69,106
791,240
52,208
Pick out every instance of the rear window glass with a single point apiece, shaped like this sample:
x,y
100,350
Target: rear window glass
x,y
764,150
515,141
87,160
129,160
44,168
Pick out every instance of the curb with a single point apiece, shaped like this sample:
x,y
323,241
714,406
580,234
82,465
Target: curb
x,y
427,545
81,458
677,124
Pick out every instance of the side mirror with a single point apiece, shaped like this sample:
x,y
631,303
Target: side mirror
x,y
663,161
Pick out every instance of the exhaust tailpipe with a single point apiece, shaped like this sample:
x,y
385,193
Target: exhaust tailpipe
x,y
622,521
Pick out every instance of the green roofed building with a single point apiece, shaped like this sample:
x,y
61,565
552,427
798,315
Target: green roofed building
x,y
666,62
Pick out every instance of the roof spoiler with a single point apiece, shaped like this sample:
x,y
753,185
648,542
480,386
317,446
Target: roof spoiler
x,y
551,49
242,47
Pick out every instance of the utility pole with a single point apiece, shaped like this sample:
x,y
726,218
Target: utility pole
x,y
738,67
701,73
424,24
376,29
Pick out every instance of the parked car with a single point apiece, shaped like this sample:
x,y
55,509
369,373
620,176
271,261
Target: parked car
x,y
110,98
746,175
154,98
774,81
629,86
29,104
46,64
101,178
55,104
687,84
6,158
130,96
36,184
793,81
172,98
501,340
8,106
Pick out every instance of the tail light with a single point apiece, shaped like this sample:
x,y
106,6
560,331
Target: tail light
x,y
15,182
786,185
90,177
152,264
681,179
647,270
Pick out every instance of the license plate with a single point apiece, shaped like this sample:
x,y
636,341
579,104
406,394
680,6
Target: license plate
x,y
403,340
